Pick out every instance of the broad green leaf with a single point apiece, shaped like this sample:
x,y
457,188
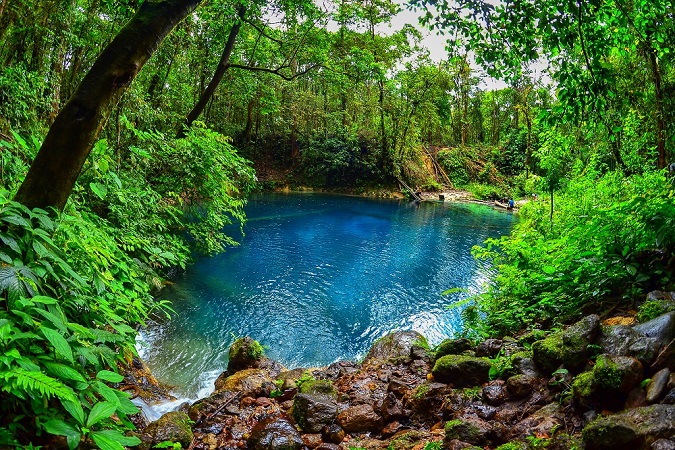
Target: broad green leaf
x,y
64,372
100,411
60,344
113,440
99,189
61,428
107,375
74,408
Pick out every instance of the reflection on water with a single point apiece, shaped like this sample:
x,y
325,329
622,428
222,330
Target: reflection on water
x,y
318,278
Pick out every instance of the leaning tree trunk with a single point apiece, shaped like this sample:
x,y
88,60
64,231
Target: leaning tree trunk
x,y
57,165
217,75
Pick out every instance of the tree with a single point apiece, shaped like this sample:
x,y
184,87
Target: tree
x,y
59,161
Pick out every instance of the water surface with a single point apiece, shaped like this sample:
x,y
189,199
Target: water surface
x,y
318,278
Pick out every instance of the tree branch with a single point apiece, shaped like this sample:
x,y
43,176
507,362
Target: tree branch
x,y
276,71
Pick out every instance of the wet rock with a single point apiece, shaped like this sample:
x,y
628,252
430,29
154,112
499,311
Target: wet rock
x,y
312,412
244,354
485,412
461,371
409,440
360,418
328,446
391,408
623,340
636,398
568,348
489,347
661,328
456,444
318,387
563,441
398,386
520,386
657,385
392,428
633,429
275,434
671,381
172,426
208,406
524,365
312,440
542,422
453,347
472,430
247,382
495,394
394,346
617,373
289,378
669,399
663,444
333,433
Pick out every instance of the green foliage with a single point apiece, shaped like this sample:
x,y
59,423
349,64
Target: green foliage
x,y
65,320
609,244
652,309
337,161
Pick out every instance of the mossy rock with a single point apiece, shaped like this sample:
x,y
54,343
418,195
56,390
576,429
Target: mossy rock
x,y
173,426
409,440
583,385
453,347
462,371
324,387
568,348
617,373
630,429
396,346
244,354
468,430
515,445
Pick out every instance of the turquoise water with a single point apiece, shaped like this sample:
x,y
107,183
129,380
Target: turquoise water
x,y
318,278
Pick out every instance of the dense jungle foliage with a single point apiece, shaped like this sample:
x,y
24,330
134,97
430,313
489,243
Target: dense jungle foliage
x,y
275,94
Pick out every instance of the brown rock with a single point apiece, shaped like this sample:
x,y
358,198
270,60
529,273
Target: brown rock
x,y
392,428
489,347
495,394
360,418
312,440
263,401
333,433
657,385
520,386
636,398
392,408
328,446
248,382
456,444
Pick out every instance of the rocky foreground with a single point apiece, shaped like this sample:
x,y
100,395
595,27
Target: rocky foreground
x,y
589,386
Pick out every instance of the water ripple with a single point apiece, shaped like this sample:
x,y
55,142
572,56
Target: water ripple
x,y
319,278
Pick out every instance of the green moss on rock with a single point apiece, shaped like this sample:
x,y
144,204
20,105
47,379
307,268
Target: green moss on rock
x,y
462,371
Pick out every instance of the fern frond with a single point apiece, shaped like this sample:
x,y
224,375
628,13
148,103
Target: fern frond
x,y
34,383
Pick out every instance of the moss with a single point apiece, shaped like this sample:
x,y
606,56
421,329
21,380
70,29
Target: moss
x,y
583,385
313,386
652,309
420,391
462,371
423,343
464,431
408,440
513,446
607,374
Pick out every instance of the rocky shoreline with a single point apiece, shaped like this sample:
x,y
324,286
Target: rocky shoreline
x,y
593,385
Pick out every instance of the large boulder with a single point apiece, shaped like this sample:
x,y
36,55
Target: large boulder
x,y
568,348
625,341
633,429
248,382
394,346
471,430
661,328
275,433
359,419
462,371
173,426
453,347
312,411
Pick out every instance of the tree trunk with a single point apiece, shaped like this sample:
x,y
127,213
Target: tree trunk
x,y
59,162
217,75
660,124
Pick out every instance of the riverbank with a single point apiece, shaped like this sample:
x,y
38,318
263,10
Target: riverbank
x,y
593,385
